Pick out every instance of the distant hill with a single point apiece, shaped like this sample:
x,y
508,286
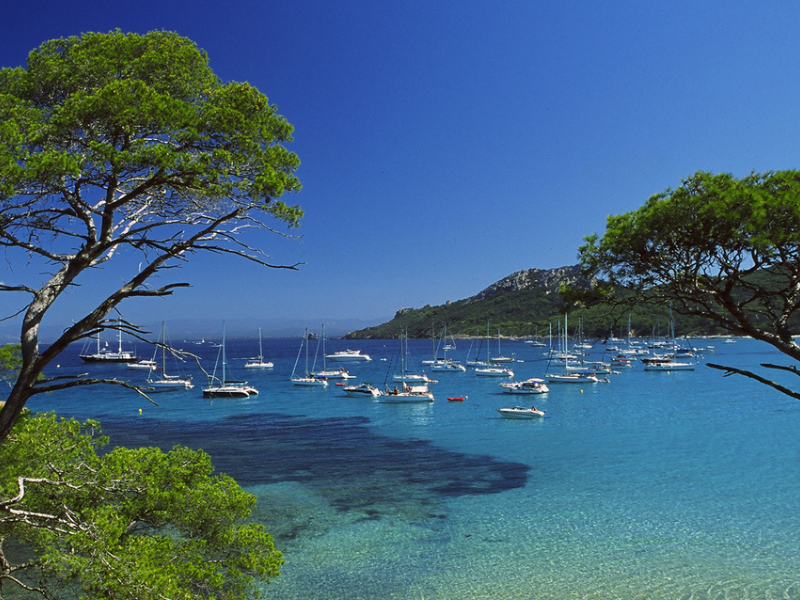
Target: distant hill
x,y
524,304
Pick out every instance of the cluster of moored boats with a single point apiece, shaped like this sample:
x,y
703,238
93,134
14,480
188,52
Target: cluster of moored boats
x,y
565,365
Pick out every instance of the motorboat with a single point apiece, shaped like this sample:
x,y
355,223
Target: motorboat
x,y
231,389
416,378
520,412
348,356
362,389
333,374
529,386
448,366
494,372
146,363
669,365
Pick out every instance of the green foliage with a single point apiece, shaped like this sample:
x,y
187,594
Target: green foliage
x,y
10,362
128,523
96,110
530,312
716,247
119,144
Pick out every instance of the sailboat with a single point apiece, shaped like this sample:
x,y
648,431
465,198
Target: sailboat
x,y
408,376
308,379
168,381
259,363
405,394
447,365
500,358
670,362
227,389
536,342
332,373
570,376
489,369
108,356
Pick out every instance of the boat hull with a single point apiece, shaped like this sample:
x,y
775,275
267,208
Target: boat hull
x,y
521,413
108,358
229,391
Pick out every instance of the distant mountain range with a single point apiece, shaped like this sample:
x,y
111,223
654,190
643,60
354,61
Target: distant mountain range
x,y
524,304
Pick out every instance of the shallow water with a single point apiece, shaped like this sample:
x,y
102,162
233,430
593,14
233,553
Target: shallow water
x,y
655,485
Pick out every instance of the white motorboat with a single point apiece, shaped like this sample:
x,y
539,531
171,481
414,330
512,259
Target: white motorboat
x,y
348,356
259,363
333,374
414,378
519,412
362,389
668,365
529,386
227,389
448,366
146,363
494,372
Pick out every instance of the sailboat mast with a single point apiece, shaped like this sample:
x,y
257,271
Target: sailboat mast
x,y
163,350
324,357
306,343
487,342
224,357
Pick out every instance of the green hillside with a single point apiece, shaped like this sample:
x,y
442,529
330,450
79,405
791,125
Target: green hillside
x,y
525,304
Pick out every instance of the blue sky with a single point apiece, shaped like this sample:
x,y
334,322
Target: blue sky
x,y
445,145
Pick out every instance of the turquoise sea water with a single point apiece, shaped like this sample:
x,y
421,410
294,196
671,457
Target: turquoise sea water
x,y
656,485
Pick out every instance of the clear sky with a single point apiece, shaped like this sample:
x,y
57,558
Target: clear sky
x,y
445,145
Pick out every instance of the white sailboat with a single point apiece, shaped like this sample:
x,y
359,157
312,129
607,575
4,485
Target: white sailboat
x,y
489,369
570,376
227,389
168,381
103,355
259,363
500,358
326,373
405,394
447,365
307,379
